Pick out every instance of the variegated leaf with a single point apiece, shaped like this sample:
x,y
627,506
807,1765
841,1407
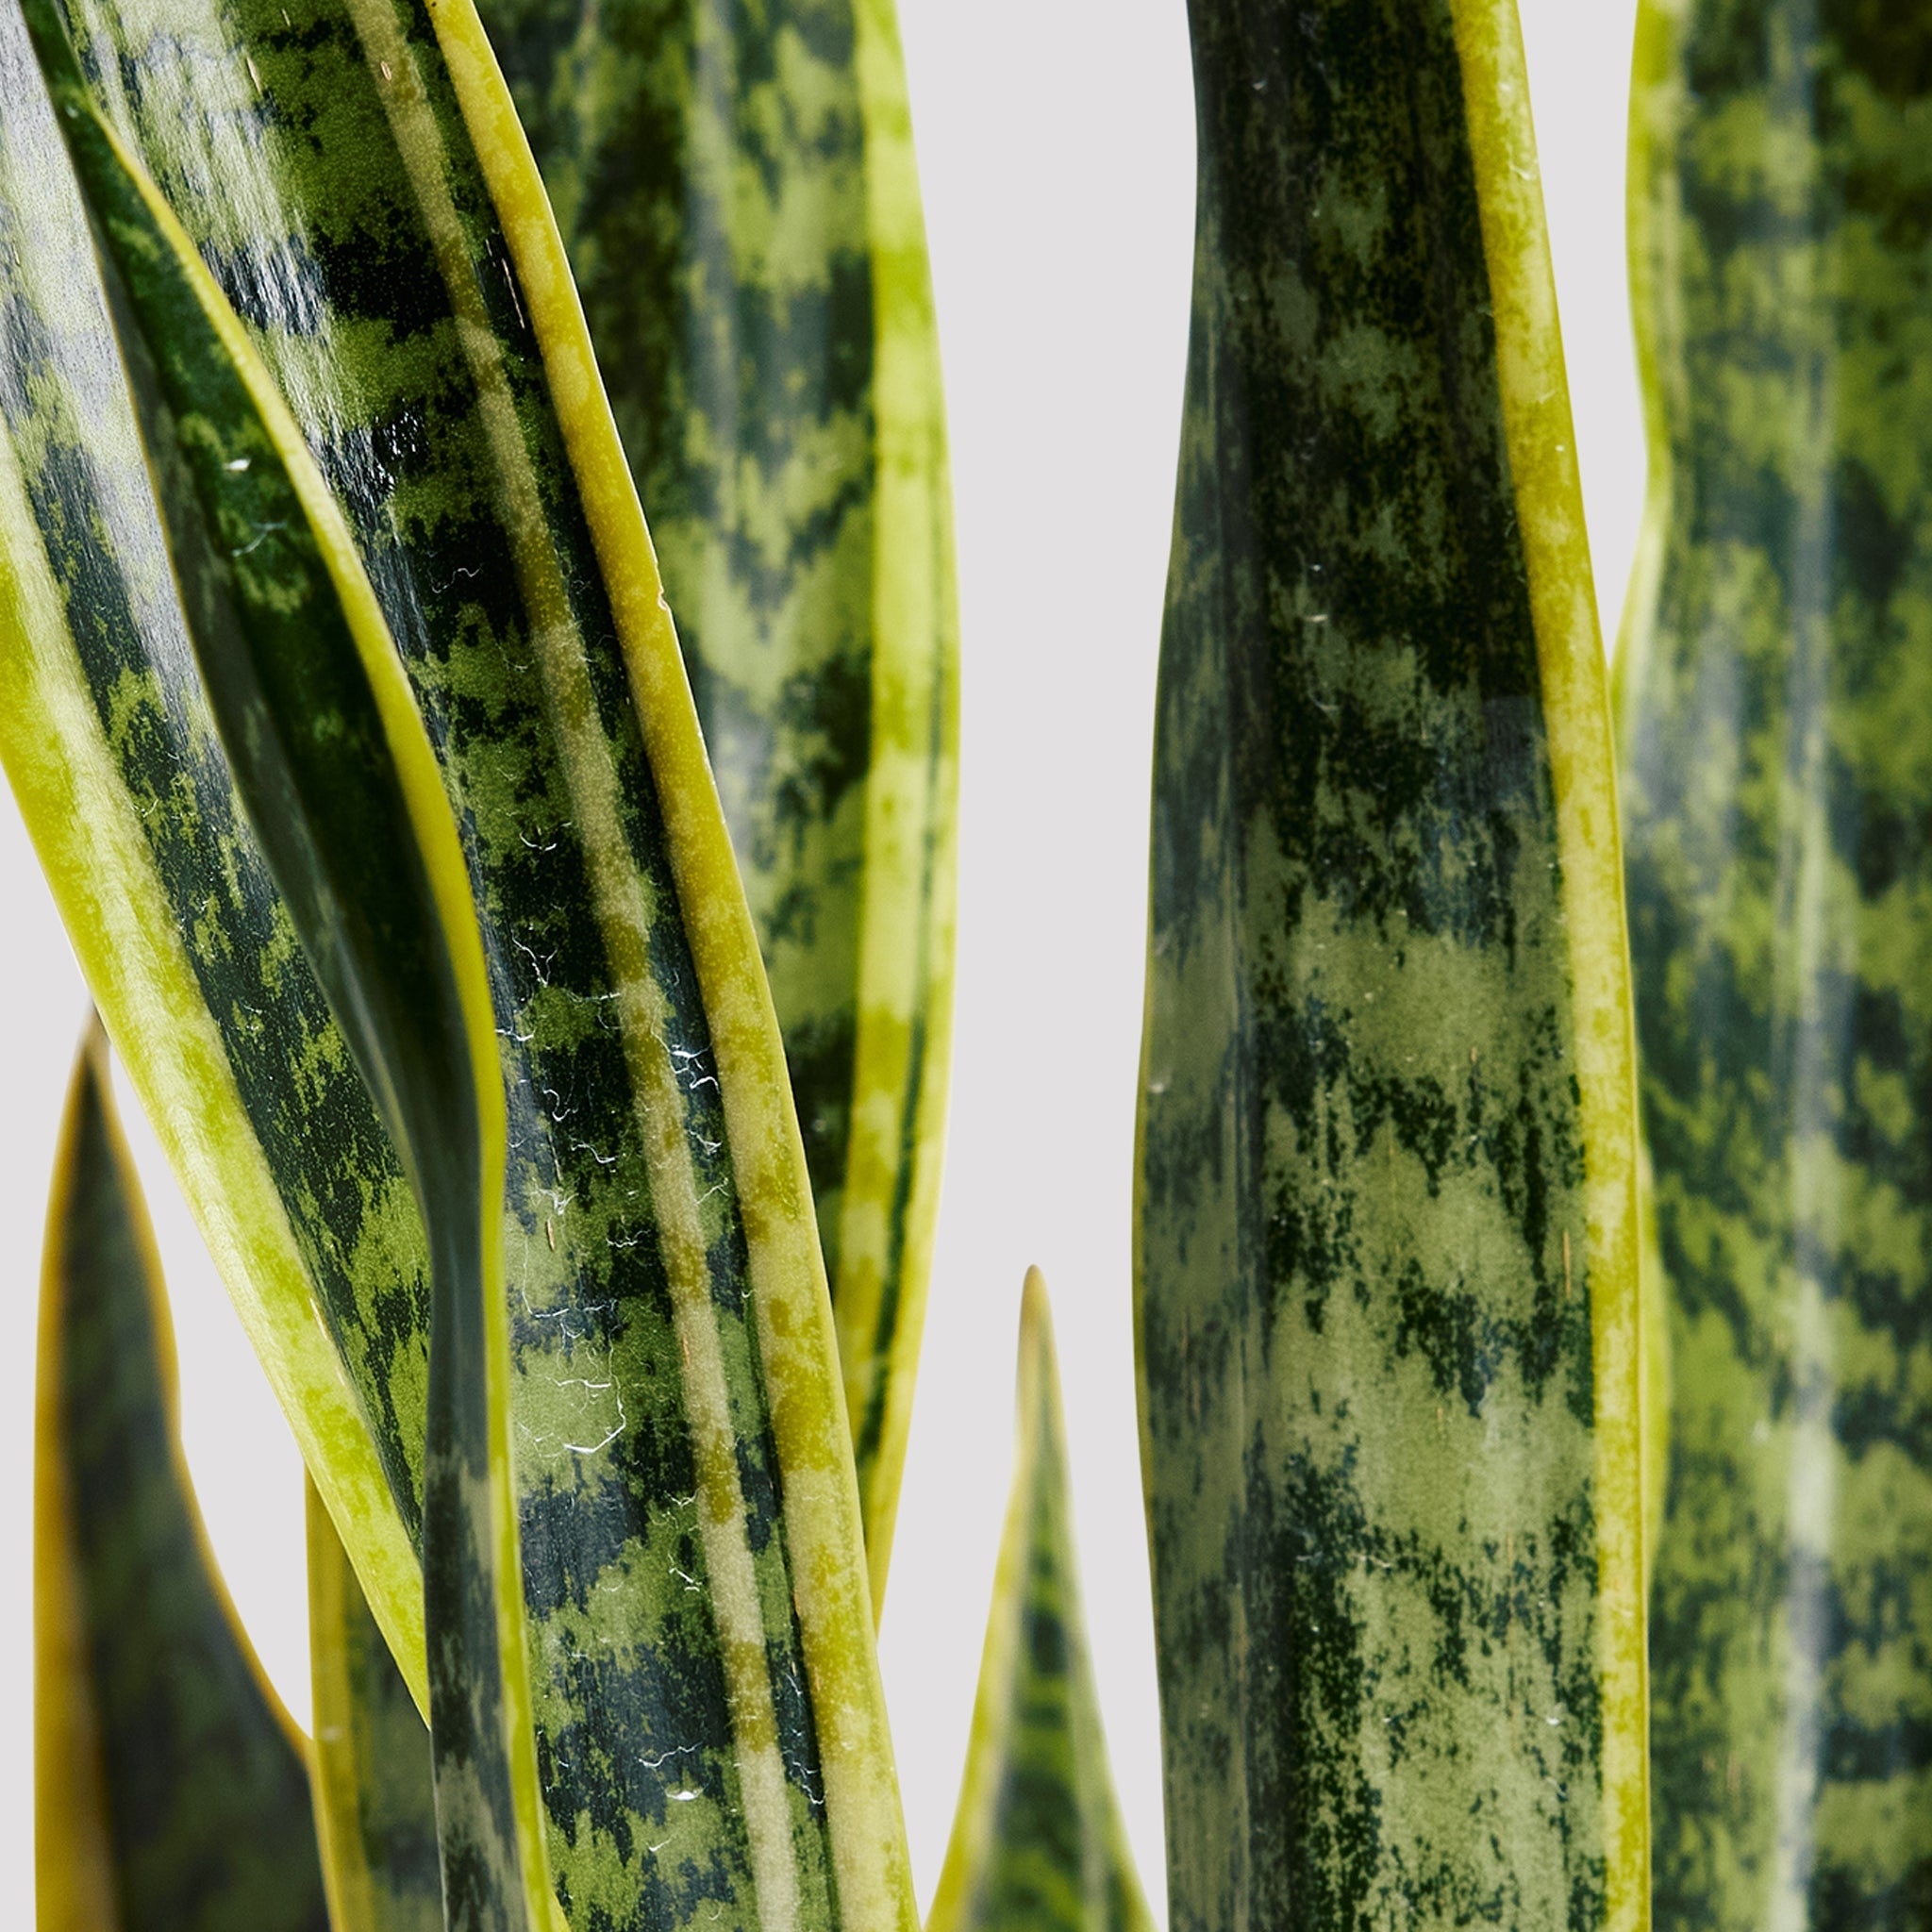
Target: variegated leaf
x,y
337,776
169,1787
1773,690
1388,1232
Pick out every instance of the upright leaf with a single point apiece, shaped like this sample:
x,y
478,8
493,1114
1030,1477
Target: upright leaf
x,y
337,776
1038,1842
694,1574
1774,683
374,1796
1387,1267
169,1787
737,190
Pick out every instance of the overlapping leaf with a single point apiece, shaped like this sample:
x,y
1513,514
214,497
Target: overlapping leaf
x,y
353,177
737,190
170,1789
336,774
1776,777
1387,1244
1038,1842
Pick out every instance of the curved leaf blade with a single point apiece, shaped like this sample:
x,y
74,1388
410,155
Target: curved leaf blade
x,y
738,193
170,1786
670,1327
1038,1842
1771,697
113,757
374,1787
1386,1242
338,778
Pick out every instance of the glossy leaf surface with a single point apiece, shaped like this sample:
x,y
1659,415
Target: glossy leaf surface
x,y
1038,1842
375,1797
170,1789
113,755
353,175
737,190
1387,1241
339,780
1775,673
337,776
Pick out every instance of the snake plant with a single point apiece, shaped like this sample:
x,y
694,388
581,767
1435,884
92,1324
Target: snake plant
x,y
1777,790
1386,1242
537,965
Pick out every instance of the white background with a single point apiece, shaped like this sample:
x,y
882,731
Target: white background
x,y
1056,142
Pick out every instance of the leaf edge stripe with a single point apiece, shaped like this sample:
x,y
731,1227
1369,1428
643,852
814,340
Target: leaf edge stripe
x,y
1540,441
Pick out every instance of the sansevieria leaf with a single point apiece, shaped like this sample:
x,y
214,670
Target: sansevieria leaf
x,y
1038,1842
169,1787
694,1571
375,1797
336,774
1775,680
737,190
1387,1240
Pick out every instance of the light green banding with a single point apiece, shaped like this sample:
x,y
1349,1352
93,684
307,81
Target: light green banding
x,y
1386,1304
738,195
1773,690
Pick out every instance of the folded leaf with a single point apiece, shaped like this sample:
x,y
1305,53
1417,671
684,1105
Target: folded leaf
x,y
338,778
737,190
1038,1842
1386,1242
169,1787
693,1569
374,1798
1773,692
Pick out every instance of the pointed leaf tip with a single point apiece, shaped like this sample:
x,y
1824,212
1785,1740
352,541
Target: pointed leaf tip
x,y
171,1787
1038,1842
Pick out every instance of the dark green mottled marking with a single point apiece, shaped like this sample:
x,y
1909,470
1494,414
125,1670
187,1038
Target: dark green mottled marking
x,y
1364,1310
709,162
375,1797
209,1820
1038,1842
273,630
271,129
1776,683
